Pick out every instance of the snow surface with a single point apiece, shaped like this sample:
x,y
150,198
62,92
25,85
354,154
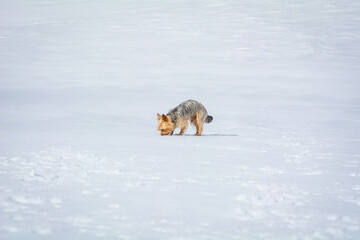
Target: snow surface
x,y
81,83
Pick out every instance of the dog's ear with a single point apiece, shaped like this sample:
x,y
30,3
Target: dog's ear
x,y
165,118
158,116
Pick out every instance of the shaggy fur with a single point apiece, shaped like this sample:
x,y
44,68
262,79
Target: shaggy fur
x,y
179,117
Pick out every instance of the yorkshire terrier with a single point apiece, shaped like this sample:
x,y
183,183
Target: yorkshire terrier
x,y
178,118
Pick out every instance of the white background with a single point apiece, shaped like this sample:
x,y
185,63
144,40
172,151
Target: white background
x,y
81,83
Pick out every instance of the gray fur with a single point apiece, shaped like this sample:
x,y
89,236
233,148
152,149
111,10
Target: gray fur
x,y
187,110
209,119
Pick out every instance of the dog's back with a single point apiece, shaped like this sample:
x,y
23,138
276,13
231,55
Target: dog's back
x,y
187,110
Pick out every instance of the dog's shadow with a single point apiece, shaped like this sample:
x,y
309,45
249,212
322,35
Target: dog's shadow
x,y
220,135
215,135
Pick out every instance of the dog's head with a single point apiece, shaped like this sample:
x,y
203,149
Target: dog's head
x,y
165,126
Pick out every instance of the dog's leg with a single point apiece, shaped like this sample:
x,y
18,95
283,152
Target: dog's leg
x,y
199,125
199,131
184,127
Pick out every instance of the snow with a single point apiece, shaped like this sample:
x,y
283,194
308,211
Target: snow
x,y
81,83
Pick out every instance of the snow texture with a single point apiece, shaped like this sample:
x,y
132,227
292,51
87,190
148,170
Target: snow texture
x,y
81,83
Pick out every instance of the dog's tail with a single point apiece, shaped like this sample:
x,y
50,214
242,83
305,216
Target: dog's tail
x,y
209,119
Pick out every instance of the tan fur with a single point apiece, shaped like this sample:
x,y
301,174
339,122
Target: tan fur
x,y
198,124
165,126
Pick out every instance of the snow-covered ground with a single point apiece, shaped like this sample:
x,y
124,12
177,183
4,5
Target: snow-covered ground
x,y
81,83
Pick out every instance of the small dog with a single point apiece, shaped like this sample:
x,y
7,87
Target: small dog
x,y
179,116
